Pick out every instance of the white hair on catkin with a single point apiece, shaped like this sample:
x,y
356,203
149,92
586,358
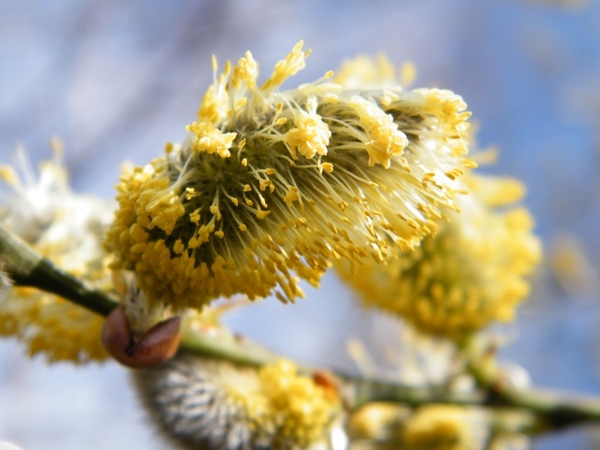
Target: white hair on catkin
x,y
191,407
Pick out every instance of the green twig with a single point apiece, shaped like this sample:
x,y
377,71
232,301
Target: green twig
x,y
26,267
559,410
368,390
231,348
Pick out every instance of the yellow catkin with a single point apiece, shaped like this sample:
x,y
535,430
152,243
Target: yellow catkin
x,y
52,326
381,421
67,229
441,427
473,273
272,186
228,406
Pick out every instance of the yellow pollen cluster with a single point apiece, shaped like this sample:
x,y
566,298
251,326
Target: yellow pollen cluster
x,y
210,139
440,427
274,186
380,421
471,274
157,204
445,103
385,140
300,410
311,135
245,71
290,408
287,67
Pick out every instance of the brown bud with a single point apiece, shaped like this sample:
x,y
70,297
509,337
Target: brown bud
x,y
158,345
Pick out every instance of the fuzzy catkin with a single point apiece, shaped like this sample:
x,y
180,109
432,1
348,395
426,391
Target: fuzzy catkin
x,y
189,408
209,404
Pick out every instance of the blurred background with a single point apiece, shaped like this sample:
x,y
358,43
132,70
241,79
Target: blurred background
x,y
116,80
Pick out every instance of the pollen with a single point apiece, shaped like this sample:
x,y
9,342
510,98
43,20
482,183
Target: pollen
x,y
284,69
211,140
384,140
449,427
246,71
310,135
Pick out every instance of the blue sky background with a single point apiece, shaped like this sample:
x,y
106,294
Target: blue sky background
x,y
116,80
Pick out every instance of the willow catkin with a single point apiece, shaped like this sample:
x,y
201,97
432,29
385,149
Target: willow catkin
x,y
66,228
190,409
473,273
272,186
209,404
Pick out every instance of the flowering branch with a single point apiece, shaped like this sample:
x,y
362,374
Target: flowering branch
x,y
270,188
26,267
